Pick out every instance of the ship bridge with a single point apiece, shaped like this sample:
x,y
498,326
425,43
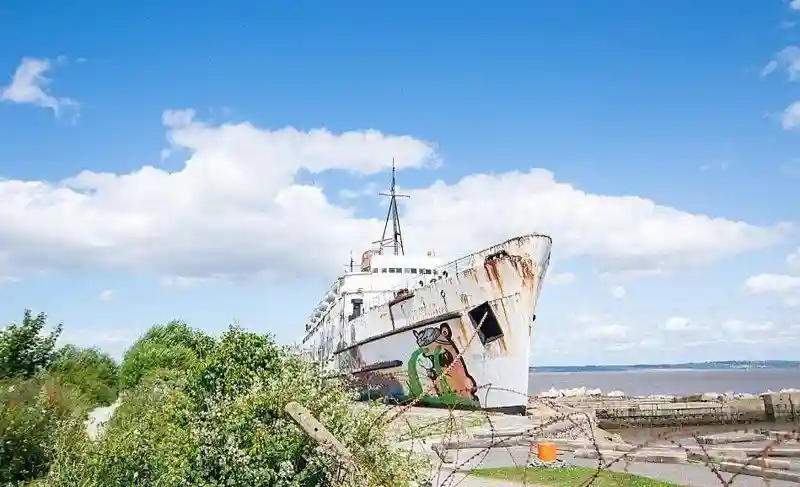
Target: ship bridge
x,y
383,268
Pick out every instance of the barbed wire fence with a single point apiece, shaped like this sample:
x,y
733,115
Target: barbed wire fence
x,y
768,457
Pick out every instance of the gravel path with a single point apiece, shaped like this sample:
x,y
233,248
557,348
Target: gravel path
x,y
98,418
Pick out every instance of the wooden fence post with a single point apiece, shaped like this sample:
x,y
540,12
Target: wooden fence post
x,y
316,430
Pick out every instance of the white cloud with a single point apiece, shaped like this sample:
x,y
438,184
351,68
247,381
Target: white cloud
x,y
370,189
769,68
588,317
794,5
790,118
237,208
677,323
772,283
607,332
618,292
105,295
561,278
188,282
787,58
740,326
793,259
29,86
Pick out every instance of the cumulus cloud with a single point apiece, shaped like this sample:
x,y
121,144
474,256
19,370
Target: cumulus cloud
x,y
793,259
787,58
677,323
741,326
237,207
618,292
561,278
790,118
772,283
105,295
612,332
794,5
29,85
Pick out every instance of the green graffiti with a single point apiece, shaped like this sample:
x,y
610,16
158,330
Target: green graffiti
x,y
445,396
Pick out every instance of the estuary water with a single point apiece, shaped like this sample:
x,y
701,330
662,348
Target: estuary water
x,y
671,382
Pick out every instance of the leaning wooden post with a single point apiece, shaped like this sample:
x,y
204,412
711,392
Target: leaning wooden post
x,y
316,430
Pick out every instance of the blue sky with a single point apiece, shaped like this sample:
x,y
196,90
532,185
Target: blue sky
x,y
153,176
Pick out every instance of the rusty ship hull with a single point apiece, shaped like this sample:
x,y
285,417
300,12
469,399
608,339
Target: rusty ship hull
x,y
457,338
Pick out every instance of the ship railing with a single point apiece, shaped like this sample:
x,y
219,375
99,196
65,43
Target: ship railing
x,y
334,290
468,261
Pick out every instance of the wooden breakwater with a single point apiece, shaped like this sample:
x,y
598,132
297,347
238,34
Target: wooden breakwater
x,y
688,411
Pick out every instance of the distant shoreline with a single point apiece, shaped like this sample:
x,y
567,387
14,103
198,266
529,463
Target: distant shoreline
x,y
721,365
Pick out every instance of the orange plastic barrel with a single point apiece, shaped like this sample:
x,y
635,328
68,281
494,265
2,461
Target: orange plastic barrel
x,y
547,452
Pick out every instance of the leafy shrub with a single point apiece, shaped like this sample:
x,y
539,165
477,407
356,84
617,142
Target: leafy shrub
x,y
23,352
93,373
33,412
171,346
222,422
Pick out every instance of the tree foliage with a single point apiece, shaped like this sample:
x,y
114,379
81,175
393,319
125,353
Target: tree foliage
x,y
24,351
174,345
33,413
90,371
220,420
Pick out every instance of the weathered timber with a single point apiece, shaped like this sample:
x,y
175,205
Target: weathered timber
x,y
756,471
316,430
715,457
648,456
733,437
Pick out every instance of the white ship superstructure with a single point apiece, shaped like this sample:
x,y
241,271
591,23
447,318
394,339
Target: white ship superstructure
x,y
414,328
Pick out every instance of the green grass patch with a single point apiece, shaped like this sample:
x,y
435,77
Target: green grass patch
x,y
569,477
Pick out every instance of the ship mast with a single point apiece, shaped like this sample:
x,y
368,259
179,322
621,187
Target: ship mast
x,y
396,240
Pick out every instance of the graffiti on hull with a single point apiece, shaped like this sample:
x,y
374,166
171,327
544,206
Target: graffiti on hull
x,y
438,356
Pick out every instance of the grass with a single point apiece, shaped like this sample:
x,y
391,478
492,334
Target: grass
x,y
569,477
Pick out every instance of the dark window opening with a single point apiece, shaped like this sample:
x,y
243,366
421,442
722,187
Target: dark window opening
x,y
413,270
395,270
375,270
357,302
490,329
383,271
435,273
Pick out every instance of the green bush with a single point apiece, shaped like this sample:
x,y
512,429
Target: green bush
x,y
90,371
23,351
171,346
222,422
33,414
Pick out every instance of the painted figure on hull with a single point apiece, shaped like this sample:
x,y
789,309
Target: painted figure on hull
x,y
451,381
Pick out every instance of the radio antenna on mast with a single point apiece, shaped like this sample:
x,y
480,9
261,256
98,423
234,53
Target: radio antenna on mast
x,y
396,240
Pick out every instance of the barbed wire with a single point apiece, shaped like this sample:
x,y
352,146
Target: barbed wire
x,y
573,422
443,433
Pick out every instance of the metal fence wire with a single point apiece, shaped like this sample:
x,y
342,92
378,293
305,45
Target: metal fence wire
x,y
590,433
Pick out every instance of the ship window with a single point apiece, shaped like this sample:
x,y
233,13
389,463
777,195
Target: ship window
x,y
413,270
435,272
408,270
375,270
490,329
383,271
394,270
